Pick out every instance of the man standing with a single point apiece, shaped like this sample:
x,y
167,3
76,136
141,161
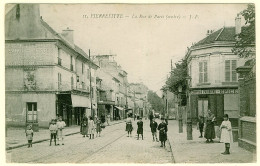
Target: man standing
x,y
153,126
60,125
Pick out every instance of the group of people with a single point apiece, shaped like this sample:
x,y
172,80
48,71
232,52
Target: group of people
x,y
162,128
90,125
212,130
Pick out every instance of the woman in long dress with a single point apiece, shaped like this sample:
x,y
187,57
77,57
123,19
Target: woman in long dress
x,y
162,132
210,131
98,127
129,126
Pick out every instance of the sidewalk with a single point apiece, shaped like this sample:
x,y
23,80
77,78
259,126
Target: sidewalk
x,y
198,151
16,135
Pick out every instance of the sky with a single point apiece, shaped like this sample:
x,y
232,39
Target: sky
x,y
145,38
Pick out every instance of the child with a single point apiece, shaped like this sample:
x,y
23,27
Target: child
x,y
153,126
201,126
53,131
162,132
98,127
60,125
226,134
140,128
91,128
29,135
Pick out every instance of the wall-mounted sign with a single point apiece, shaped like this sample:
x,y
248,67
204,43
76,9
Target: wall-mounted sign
x,y
215,91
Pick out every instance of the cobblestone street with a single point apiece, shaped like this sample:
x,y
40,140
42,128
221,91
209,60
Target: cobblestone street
x,y
112,147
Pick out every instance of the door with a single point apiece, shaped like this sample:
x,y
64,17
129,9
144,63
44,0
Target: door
x,y
31,115
202,107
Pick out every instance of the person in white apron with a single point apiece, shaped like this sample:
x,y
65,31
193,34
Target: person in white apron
x,y
226,134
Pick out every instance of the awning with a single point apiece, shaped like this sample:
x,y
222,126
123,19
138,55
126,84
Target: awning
x,y
80,101
120,108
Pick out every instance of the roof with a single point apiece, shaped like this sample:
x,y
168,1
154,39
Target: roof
x,y
223,34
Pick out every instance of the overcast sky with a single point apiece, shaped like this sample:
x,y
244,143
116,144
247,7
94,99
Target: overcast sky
x,y
144,46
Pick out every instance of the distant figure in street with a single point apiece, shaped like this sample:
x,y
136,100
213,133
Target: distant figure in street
x,y
140,129
91,128
153,126
210,131
108,119
151,117
84,126
53,131
60,125
226,134
98,127
162,132
29,135
201,126
166,118
103,118
129,126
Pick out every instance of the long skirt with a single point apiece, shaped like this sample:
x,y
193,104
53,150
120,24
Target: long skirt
x,y
60,134
129,127
210,130
84,130
162,136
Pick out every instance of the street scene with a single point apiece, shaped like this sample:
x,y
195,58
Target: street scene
x,y
130,83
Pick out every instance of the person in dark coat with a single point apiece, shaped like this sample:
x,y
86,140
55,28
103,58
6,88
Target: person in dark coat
x,y
210,130
162,132
153,126
201,126
84,126
140,125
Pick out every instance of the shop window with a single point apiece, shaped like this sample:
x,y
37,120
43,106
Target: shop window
x,y
230,70
31,115
203,72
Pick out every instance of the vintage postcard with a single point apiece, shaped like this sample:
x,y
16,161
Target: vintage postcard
x,y
157,83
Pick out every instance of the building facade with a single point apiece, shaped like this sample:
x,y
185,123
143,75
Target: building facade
x,y
47,75
212,69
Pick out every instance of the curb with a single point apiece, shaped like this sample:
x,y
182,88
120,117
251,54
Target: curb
x,y
173,159
47,139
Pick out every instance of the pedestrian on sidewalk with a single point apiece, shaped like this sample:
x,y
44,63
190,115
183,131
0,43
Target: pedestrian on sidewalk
x,y
210,131
153,126
29,135
60,125
84,126
91,127
201,126
108,119
217,129
129,126
162,132
226,134
140,129
98,127
53,131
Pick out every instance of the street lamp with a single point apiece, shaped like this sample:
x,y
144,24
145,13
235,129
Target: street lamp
x,y
179,109
189,118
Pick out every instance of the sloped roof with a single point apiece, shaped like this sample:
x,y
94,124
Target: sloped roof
x,y
223,34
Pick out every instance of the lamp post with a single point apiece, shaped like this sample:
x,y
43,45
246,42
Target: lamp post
x,y
179,109
189,118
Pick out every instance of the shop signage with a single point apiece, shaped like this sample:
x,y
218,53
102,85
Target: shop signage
x,y
215,91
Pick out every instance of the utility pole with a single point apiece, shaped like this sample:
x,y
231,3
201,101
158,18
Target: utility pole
x,y
92,113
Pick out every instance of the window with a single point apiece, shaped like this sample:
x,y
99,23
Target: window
x,y
59,80
71,64
203,72
31,115
88,74
72,82
230,70
59,59
82,67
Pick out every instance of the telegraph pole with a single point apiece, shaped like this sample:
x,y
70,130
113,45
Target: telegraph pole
x,y
92,113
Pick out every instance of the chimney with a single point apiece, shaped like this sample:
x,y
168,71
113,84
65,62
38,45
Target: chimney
x,y
238,24
68,34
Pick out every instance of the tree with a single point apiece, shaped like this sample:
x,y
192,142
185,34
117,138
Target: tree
x,y
178,77
245,45
155,101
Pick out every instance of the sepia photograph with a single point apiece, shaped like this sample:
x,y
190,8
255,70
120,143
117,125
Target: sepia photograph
x,y
130,83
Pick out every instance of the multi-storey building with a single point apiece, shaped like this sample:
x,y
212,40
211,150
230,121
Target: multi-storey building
x,y
46,74
212,69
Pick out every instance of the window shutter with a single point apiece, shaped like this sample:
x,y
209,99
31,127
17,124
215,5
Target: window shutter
x,y
227,70
234,73
205,72
200,72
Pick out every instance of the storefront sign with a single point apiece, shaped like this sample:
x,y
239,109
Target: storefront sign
x,y
215,91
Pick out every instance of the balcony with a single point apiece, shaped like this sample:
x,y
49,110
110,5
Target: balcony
x,y
59,61
67,86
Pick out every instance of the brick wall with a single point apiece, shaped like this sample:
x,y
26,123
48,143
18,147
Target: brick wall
x,y
248,131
